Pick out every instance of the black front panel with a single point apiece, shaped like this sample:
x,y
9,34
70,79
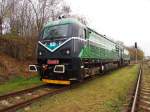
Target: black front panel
x,y
61,52
73,46
72,66
71,61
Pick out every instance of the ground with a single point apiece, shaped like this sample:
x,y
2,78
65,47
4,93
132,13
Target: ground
x,y
107,93
19,83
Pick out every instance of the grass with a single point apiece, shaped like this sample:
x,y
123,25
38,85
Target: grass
x,y
19,83
107,93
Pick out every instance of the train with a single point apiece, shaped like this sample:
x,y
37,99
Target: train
x,y
71,51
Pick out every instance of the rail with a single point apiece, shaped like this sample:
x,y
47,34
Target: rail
x,y
35,94
136,91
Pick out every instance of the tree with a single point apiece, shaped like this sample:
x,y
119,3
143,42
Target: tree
x,y
132,52
4,6
44,10
26,18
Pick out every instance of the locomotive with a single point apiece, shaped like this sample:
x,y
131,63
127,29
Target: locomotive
x,y
68,51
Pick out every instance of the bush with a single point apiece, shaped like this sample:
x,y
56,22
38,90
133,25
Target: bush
x,y
19,48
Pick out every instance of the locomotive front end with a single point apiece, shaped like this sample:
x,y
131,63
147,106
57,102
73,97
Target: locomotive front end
x,y
58,53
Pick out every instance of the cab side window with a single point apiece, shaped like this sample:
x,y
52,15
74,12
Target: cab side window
x,y
82,33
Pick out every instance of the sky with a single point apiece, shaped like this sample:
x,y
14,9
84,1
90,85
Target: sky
x,y
124,20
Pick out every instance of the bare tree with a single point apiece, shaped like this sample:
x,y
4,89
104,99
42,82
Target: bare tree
x,y
27,17
43,10
3,12
80,18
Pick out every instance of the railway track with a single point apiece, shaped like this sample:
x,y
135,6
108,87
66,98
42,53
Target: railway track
x,y
20,99
141,102
16,100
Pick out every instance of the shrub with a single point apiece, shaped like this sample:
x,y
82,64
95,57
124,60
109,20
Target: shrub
x,y
18,47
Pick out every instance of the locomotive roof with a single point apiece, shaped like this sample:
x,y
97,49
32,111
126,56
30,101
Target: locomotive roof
x,y
102,35
63,21
119,45
75,21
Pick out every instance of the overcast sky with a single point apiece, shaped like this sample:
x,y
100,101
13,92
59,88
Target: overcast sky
x,y
124,20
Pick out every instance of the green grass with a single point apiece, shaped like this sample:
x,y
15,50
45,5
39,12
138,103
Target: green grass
x,y
107,93
19,83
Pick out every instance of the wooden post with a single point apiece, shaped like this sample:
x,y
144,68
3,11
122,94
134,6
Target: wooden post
x,y
136,52
136,56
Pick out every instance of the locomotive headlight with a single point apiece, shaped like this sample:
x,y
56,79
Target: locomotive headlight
x,y
68,51
40,53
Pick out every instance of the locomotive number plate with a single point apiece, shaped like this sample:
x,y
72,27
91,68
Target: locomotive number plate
x,y
53,62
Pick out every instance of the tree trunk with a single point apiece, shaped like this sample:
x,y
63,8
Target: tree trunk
x,y
1,29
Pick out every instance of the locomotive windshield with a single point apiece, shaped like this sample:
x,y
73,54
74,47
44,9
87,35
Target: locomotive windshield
x,y
55,31
60,31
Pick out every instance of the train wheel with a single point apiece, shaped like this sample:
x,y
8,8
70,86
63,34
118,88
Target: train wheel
x,y
81,75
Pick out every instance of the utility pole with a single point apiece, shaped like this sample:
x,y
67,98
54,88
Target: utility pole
x,y
135,52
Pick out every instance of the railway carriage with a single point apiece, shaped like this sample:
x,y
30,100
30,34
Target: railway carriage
x,y
69,50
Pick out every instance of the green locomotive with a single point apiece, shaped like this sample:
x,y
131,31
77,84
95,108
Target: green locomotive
x,y
69,50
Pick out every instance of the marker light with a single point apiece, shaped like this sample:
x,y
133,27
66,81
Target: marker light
x,y
68,51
